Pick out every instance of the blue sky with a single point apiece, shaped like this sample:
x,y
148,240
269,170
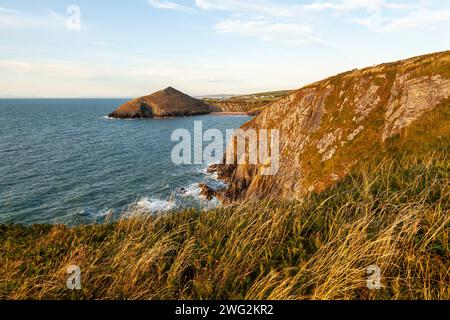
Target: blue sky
x,y
132,48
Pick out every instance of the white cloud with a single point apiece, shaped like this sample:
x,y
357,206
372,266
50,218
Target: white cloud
x,y
46,19
236,6
168,5
277,22
384,15
416,19
401,13
349,5
245,6
271,8
9,11
268,30
266,20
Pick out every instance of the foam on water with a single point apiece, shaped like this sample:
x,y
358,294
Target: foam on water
x,y
93,212
192,191
155,205
125,119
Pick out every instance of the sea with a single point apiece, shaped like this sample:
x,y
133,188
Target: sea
x,y
64,161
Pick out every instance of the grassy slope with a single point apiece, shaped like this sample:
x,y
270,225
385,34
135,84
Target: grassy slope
x,y
392,212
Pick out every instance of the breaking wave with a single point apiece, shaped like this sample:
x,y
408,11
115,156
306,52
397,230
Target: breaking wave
x,y
155,205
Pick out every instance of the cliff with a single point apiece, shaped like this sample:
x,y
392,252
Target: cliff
x,y
330,127
229,105
253,104
165,103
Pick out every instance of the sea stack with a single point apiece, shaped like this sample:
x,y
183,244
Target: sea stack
x,y
165,103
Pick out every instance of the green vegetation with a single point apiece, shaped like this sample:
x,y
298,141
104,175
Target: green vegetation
x,y
393,214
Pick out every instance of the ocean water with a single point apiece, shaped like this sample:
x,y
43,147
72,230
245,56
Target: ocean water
x,y
63,161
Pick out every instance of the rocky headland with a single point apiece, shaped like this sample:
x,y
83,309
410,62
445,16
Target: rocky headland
x,y
165,103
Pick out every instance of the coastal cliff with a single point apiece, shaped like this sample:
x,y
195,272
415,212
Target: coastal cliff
x,y
330,127
248,106
252,104
165,103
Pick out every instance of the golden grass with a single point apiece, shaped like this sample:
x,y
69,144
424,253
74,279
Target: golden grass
x,y
394,214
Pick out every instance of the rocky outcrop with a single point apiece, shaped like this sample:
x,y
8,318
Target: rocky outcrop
x,y
329,127
411,98
165,103
207,191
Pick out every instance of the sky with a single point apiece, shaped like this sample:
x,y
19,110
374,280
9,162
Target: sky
x,y
99,48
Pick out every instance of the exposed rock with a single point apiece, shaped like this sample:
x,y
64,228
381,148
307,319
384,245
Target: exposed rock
x,y
212,168
207,191
411,98
328,140
165,103
329,154
366,102
352,135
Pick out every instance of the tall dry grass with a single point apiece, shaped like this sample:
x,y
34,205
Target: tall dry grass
x,y
394,215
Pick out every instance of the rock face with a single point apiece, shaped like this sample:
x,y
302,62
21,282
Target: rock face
x,y
206,191
165,103
328,127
